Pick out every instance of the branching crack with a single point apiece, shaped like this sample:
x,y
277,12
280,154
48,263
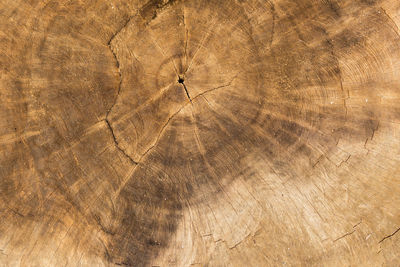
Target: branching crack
x,y
117,144
172,117
157,4
389,236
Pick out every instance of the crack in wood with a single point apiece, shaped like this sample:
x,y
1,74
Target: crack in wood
x,y
102,227
389,236
120,80
343,161
374,130
357,224
343,236
218,87
117,144
119,30
181,81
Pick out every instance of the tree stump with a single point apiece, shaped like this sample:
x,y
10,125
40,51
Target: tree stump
x,y
200,132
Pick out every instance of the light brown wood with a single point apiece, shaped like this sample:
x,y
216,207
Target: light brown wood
x,y
200,132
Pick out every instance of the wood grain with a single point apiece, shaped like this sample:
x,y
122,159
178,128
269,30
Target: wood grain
x,y
204,133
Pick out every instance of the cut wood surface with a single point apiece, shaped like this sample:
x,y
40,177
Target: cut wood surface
x,y
199,133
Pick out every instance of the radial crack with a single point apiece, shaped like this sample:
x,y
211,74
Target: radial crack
x,y
181,81
219,87
187,93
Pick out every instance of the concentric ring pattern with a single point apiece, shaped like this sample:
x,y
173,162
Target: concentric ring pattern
x,y
211,133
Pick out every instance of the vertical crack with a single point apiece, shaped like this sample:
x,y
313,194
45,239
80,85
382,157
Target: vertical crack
x,y
106,119
120,80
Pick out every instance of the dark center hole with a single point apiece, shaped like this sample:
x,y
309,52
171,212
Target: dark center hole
x,y
180,80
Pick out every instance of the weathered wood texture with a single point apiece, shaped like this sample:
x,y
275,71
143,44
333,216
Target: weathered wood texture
x,y
279,144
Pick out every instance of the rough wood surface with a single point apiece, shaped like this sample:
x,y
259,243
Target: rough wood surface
x,y
199,132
